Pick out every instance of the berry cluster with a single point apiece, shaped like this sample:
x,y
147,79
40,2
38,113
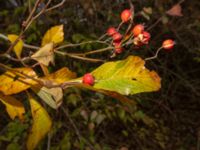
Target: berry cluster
x,y
136,36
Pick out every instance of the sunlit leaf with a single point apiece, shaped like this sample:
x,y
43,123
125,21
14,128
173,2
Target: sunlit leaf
x,y
60,76
41,124
14,107
54,34
18,47
44,55
16,80
126,77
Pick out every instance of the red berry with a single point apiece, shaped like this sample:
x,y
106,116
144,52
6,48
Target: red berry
x,y
88,79
168,44
117,37
111,31
138,29
118,47
146,37
126,15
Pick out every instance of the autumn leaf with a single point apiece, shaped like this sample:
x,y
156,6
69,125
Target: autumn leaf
x,y
126,77
14,107
41,124
17,80
44,55
60,76
54,34
51,96
18,47
175,11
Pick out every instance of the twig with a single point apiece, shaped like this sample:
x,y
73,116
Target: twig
x,y
79,44
98,51
25,27
16,72
56,6
153,25
65,110
49,142
119,26
155,56
101,37
79,57
31,46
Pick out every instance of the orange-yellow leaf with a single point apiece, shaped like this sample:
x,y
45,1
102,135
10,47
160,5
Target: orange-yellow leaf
x,y
41,124
54,34
44,55
60,76
18,47
53,96
15,81
14,107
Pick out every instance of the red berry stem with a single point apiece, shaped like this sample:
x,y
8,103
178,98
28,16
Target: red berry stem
x,y
155,56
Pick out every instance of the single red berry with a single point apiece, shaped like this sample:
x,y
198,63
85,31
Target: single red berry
x,y
117,36
126,15
138,29
111,31
118,50
118,47
146,37
168,44
88,79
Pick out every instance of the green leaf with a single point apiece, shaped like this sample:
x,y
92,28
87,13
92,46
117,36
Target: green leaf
x,y
126,77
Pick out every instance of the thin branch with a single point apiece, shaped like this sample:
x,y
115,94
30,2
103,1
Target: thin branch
x,y
56,6
155,56
16,72
49,141
154,24
65,110
98,51
79,44
79,57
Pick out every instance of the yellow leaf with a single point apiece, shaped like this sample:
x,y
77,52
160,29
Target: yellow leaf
x,y
44,55
54,34
13,107
13,81
127,77
18,47
41,124
60,76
